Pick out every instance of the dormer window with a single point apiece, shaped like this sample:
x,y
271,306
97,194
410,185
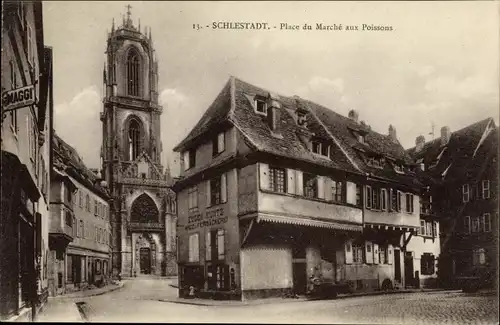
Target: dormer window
x,y
321,148
361,138
260,107
301,119
399,168
316,147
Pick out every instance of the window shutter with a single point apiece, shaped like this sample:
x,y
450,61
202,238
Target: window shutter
x,y
208,246
351,193
389,208
434,229
390,254
369,252
220,244
299,183
375,254
321,187
209,203
221,142
403,202
223,188
290,184
186,160
264,176
348,252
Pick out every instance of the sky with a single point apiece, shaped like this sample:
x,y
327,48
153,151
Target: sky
x,y
438,66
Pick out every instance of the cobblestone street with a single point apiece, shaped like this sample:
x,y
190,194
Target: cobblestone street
x,y
140,300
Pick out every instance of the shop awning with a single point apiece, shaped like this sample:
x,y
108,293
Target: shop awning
x,y
12,167
308,222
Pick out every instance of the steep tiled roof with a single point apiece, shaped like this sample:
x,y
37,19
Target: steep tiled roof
x,y
67,158
462,155
215,114
235,103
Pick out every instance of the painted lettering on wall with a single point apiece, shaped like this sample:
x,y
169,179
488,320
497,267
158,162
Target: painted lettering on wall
x,y
211,218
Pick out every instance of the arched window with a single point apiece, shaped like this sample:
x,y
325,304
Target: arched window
x,y
133,73
144,210
134,138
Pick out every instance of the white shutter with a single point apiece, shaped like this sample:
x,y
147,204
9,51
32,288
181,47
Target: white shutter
x,y
403,202
264,176
223,188
351,193
321,187
299,183
389,201
348,252
369,252
390,254
221,142
290,183
328,189
220,244
208,246
186,160
209,203
375,254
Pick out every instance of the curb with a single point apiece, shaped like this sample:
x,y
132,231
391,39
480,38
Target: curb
x,y
69,296
285,300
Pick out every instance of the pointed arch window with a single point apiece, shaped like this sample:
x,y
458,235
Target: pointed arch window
x,y
144,210
134,136
133,73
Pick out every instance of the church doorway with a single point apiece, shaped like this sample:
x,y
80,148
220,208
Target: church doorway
x,y
145,260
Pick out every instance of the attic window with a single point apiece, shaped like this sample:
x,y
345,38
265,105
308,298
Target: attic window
x,y
361,138
260,107
321,148
399,168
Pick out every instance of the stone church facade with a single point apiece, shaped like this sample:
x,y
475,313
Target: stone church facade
x,y
143,209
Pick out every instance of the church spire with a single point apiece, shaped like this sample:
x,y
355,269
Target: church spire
x,y
129,20
113,26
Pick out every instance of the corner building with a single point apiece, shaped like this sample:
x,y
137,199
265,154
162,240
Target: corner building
x,y
278,191
143,210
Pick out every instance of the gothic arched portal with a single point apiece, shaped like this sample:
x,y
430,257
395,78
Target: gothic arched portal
x,y
144,210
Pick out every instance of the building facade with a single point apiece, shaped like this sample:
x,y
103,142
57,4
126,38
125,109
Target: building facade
x,y
26,124
278,192
80,228
461,169
143,217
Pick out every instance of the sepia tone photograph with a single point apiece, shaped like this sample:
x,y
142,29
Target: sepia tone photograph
x,y
320,162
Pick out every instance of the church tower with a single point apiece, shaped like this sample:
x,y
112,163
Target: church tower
x,y
144,213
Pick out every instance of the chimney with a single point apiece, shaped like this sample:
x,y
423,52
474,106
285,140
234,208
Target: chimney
x,y
419,143
353,115
273,111
445,135
392,133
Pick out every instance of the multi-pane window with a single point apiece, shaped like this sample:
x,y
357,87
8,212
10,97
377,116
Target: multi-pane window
x,y
369,197
260,107
486,222
316,147
337,191
394,200
325,150
357,253
192,158
465,193
96,208
194,248
193,198
400,199
428,228
310,185
358,194
375,198
427,264
382,255
383,199
87,203
133,73
69,219
277,179
467,224
486,189
218,144
479,256
409,203
215,191
476,225
80,198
